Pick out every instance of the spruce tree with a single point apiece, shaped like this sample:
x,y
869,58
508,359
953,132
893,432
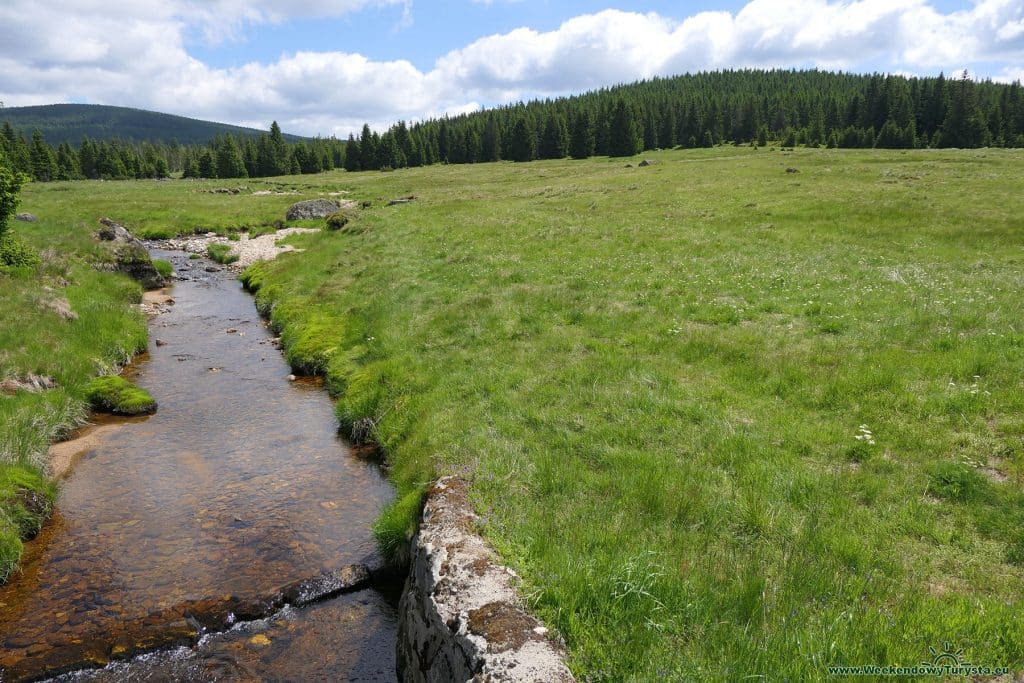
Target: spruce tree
x,y
352,154
522,146
553,143
491,141
229,159
963,126
623,132
207,166
581,141
44,164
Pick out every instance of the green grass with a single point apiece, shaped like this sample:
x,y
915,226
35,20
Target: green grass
x,y
163,267
114,394
107,332
221,253
655,379
26,501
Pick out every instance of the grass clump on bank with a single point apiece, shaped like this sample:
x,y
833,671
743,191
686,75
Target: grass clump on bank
x,y
725,421
164,267
26,501
221,253
116,395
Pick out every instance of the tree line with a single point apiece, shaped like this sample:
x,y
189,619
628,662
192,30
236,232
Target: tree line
x,y
226,156
812,108
784,107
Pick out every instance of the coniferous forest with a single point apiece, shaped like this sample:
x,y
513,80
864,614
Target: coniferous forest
x,y
225,156
786,108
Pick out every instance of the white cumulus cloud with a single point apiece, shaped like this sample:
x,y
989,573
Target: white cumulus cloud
x,y
134,53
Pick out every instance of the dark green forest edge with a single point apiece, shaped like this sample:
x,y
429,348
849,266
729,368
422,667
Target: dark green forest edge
x,y
788,108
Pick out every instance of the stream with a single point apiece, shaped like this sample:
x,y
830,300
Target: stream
x,y
176,534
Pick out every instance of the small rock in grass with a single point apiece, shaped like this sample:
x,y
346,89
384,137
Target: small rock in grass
x,y
31,383
62,308
26,217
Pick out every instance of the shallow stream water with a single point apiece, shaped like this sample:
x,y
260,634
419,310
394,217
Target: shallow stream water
x,y
191,518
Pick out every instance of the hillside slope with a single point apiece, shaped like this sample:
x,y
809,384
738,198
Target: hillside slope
x,y
71,122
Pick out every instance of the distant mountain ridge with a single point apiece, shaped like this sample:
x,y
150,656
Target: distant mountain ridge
x,y
71,122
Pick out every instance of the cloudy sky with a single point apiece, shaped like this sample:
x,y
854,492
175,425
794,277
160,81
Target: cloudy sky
x,y
326,66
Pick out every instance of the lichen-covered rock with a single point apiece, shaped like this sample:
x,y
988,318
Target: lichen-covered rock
x,y
312,208
460,616
131,256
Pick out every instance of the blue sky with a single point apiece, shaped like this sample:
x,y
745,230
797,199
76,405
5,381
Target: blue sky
x,y
327,66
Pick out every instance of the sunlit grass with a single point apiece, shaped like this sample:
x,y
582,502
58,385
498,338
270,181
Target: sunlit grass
x,y
656,379
662,381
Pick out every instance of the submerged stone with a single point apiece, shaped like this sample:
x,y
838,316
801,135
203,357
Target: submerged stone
x,y
349,578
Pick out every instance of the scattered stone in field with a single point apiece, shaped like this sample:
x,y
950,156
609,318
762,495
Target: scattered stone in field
x,y
365,205
231,330
161,342
292,378
225,190
312,208
62,308
212,269
348,578
645,163
792,170
629,166
26,217
31,382
113,231
132,258
402,200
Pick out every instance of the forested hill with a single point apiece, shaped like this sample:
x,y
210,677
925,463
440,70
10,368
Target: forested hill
x,y
71,122
813,108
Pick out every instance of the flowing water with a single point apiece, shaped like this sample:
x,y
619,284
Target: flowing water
x,y
192,519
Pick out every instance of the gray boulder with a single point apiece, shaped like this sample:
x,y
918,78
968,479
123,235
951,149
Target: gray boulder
x,y
312,208
27,217
131,256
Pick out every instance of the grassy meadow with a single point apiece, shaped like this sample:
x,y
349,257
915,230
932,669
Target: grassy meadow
x,y
726,421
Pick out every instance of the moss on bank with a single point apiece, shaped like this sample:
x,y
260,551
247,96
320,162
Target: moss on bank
x,y
113,394
163,267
